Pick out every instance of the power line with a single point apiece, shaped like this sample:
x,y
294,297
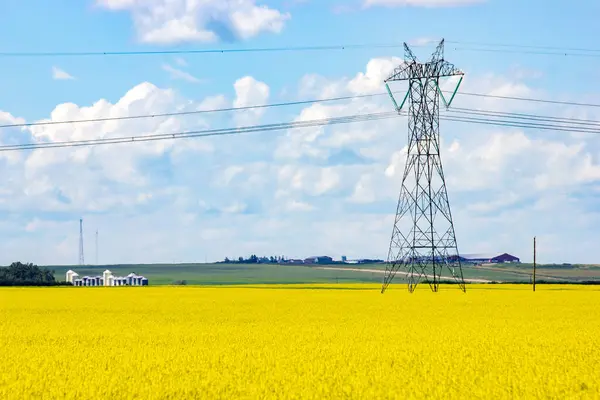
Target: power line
x,y
523,116
504,48
523,46
537,52
528,99
480,117
182,113
282,104
517,124
199,51
204,133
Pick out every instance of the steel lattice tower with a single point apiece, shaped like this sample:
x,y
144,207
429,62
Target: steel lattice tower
x,y
81,262
423,239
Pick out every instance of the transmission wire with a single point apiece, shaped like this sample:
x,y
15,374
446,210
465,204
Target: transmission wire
x,y
203,133
283,104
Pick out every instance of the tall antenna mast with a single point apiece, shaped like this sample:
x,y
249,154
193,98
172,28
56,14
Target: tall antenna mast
x,y
423,239
81,261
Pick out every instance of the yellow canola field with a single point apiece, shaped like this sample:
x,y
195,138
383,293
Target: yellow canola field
x,y
300,342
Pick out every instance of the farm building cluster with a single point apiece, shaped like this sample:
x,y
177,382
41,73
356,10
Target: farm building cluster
x,y
329,260
489,259
464,258
107,279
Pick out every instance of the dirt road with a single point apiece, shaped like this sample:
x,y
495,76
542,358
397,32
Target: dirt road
x,y
379,271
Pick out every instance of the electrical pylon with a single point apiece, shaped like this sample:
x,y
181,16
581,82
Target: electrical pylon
x,y
423,239
81,261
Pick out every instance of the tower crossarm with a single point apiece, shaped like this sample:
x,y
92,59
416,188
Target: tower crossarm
x,y
443,68
401,73
434,69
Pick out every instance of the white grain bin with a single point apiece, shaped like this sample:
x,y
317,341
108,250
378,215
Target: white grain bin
x,y
106,274
69,275
110,281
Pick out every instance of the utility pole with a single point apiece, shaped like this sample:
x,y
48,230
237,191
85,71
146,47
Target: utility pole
x,y
423,239
534,262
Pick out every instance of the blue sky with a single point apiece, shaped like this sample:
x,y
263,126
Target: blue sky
x,y
328,190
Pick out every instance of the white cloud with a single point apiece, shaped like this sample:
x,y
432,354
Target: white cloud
x,y
250,92
59,74
371,81
364,192
83,175
497,169
176,73
234,208
327,189
295,205
172,21
328,180
213,103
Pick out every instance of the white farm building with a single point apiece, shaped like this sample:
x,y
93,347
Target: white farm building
x,y
107,279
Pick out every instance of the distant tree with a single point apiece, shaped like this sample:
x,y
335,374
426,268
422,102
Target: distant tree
x,y
26,274
241,259
227,260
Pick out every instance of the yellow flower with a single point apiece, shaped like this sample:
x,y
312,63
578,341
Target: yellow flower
x,y
301,342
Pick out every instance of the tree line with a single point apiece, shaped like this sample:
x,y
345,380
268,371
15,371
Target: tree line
x,y
27,274
254,259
